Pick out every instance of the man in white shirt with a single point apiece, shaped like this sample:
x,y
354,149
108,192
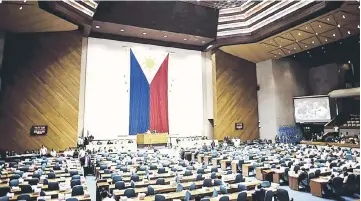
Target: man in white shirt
x,y
81,153
43,150
53,153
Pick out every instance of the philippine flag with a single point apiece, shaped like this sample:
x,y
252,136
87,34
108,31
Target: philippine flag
x,y
148,107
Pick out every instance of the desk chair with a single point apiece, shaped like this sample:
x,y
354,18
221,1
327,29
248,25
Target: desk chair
x,y
135,178
160,181
150,190
77,190
130,193
317,173
351,185
20,173
224,198
51,175
337,187
14,182
188,173
116,178
52,186
200,171
159,198
214,169
207,183
213,175
4,190
75,177
239,178
70,199
106,171
75,182
24,197
284,177
242,196
26,189
120,185
199,177
161,170
15,176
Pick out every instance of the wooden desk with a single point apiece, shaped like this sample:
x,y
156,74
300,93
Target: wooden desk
x,y
316,186
261,173
200,158
224,163
156,138
277,175
331,143
245,169
234,165
293,182
207,159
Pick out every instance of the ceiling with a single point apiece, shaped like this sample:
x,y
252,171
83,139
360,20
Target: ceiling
x,y
28,17
219,4
327,28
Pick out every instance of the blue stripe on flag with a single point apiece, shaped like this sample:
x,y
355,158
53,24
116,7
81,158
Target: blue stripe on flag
x,y
139,98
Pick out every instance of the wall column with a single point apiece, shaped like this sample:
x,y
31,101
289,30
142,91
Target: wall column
x,y
84,54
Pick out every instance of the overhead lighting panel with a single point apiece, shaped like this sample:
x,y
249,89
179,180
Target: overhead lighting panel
x,y
79,7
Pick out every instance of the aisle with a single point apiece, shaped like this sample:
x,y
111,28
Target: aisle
x,y
91,184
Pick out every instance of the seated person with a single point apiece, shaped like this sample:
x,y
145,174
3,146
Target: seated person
x,y
53,153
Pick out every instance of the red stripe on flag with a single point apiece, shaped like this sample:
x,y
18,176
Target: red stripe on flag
x,y
159,99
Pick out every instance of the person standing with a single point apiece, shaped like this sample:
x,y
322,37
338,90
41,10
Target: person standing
x,y
53,153
85,162
43,151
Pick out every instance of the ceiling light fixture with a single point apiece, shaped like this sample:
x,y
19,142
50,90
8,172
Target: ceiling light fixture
x,y
1,1
349,32
324,51
313,42
334,35
305,46
328,19
308,52
97,27
294,48
165,36
319,26
185,39
20,8
322,47
24,1
358,26
122,30
338,25
316,33
299,33
289,51
280,46
343,16
326,39
306,27
203,41
294,55
144,33
349,62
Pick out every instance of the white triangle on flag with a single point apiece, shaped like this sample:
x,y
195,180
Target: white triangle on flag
x,y
149,60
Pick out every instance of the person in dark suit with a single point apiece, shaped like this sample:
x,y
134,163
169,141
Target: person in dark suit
x,y
86,164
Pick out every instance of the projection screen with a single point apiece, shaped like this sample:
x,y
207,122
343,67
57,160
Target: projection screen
x,y
310,109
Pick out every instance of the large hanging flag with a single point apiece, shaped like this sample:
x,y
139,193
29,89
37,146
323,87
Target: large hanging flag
x,y
148,91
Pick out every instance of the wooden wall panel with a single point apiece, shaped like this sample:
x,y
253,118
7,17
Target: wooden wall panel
x,y
235,91
41,76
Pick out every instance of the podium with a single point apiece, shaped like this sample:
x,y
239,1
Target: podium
x,y
152,139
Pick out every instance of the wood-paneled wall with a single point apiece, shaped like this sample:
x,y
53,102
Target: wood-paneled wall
x,y
41,76
235,97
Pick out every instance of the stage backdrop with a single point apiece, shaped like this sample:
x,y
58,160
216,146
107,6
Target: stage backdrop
x,y
132,87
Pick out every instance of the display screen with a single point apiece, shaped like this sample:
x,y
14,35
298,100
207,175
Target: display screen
x,y
312,109
38,130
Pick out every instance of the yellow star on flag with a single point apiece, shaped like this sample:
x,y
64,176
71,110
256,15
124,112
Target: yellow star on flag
x,y
149,63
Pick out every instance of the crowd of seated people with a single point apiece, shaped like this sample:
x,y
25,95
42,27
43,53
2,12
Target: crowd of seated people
x,y
42,176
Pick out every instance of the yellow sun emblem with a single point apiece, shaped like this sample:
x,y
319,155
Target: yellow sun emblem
x,y
149,63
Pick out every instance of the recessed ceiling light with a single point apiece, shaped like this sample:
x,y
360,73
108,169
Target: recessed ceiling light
x,y
328,19
289,51
349,62
20,8
198,0
340,43
279,53
294,48
281,41
358,26
97,27
348,32
203,41
144,33
319,26
1,1
266,45
122,30
313,41
326,39
324,51
165,36
275,56
310,56
316,33
343,16
305,46
280,46
24,1
322,47
185,39
299,33
294,55
296,41
338,25
229,1
334,35
308,52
